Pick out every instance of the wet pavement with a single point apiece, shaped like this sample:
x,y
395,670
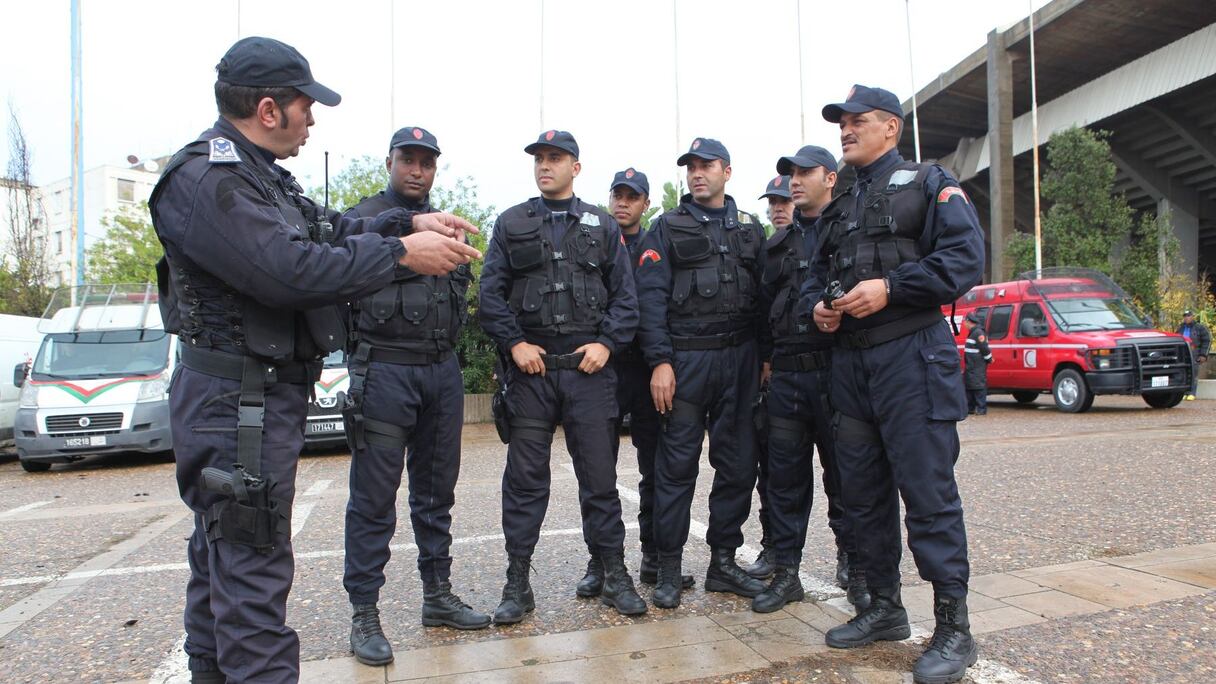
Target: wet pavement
x,y
1088,536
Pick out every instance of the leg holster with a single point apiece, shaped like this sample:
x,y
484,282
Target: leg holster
x,y
352,400
789,430
532,429
855,430
683,412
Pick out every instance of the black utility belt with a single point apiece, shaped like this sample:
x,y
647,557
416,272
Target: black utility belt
x,y
706,342
232,367
872,337
562,361
807,361
401,357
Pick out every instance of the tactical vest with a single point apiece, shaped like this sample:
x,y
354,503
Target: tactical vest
x,y
787,266
557,289
416,313
885,234
204,311
712,265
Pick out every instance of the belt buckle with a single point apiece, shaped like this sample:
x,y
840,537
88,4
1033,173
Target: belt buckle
x,y
862,338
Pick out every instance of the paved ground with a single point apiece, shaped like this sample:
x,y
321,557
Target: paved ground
x,y
1093,546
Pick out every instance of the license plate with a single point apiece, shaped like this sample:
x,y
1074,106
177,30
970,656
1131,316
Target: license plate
x,y
77,442
1161,381
315,428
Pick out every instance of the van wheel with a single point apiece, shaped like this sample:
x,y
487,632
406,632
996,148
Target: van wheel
x,y
1162,400
1025,397
1071,393
35,466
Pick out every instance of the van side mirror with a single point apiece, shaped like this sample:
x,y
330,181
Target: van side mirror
x,y
19,375
1033,328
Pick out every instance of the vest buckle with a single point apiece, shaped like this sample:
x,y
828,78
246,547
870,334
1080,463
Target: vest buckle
x,y
558,256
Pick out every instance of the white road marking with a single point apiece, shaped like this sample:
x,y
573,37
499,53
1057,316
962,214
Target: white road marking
x,y
299,516
21,509
174,669
318,487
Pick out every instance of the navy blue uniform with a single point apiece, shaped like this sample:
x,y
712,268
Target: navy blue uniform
x,y
411,384
799,410
976,357
633,399
898,400
698,282
559,279
243,280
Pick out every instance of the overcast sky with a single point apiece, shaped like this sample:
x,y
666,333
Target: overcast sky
x,y
471,72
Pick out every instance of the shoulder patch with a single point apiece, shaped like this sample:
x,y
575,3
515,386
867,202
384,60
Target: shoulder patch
x,y
651,255
950,191
901,177
745,218
222,151
589,219
983,338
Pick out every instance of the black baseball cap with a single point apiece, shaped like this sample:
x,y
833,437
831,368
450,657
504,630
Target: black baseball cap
x,y
974,316
705,148
777,187
631,178
864,99
808,157
267,63
1188,312
414,136
562,140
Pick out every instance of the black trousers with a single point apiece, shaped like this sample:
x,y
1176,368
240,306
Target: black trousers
x,y
633,398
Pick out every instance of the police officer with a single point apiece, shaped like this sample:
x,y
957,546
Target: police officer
x,y
976,357
780,214
628,200
796,362
698,279
558,297
248,287
405,411
902,241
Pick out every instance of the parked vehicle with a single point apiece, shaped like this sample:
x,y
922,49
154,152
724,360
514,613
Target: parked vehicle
x,y
19,340
325,427
100,380
1076,334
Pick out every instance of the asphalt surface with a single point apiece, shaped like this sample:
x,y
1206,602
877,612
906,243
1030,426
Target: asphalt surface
x,y
1039,488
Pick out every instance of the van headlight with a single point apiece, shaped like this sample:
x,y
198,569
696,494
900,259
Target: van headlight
x,y
156,389
29,395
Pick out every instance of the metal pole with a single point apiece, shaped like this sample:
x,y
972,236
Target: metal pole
x,y
77,149
238,19
801,82
675,63
1034,134
912,77
392,66
542,65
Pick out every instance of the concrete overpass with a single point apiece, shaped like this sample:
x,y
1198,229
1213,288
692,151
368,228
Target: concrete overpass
x,y
1145,70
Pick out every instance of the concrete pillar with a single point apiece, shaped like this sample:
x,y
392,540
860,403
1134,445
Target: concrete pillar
x,y
1186,228
1000,154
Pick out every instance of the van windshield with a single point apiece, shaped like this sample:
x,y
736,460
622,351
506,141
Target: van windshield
x,y
1095,314
107,354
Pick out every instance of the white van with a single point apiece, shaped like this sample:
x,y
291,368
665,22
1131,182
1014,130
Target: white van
x,y
100,380
324,427
19,340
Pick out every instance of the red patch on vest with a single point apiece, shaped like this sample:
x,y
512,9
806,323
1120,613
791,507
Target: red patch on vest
x,y
946,193
649,254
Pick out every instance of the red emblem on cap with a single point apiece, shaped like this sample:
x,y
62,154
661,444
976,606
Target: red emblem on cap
x,y
417,134
629,173
696,143
550,134
852,91
777,182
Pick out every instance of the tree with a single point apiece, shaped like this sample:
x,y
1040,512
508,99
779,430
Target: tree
x,y
365,177
672,192
129,249
26,264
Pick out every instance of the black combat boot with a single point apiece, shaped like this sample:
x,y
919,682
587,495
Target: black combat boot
x,y
951,650
724,574
763,567
842,569
367,640
859,592
648,573
517,599
884,620
593,582
618,585
670,583
441,607
785,588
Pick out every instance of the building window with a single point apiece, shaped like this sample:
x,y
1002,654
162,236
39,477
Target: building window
x,y
126,190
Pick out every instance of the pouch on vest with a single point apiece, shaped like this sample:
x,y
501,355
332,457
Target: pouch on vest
x,y
415,302
687,249
708,282
525,250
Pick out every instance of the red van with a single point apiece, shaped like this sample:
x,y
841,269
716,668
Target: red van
x,y
1076,334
